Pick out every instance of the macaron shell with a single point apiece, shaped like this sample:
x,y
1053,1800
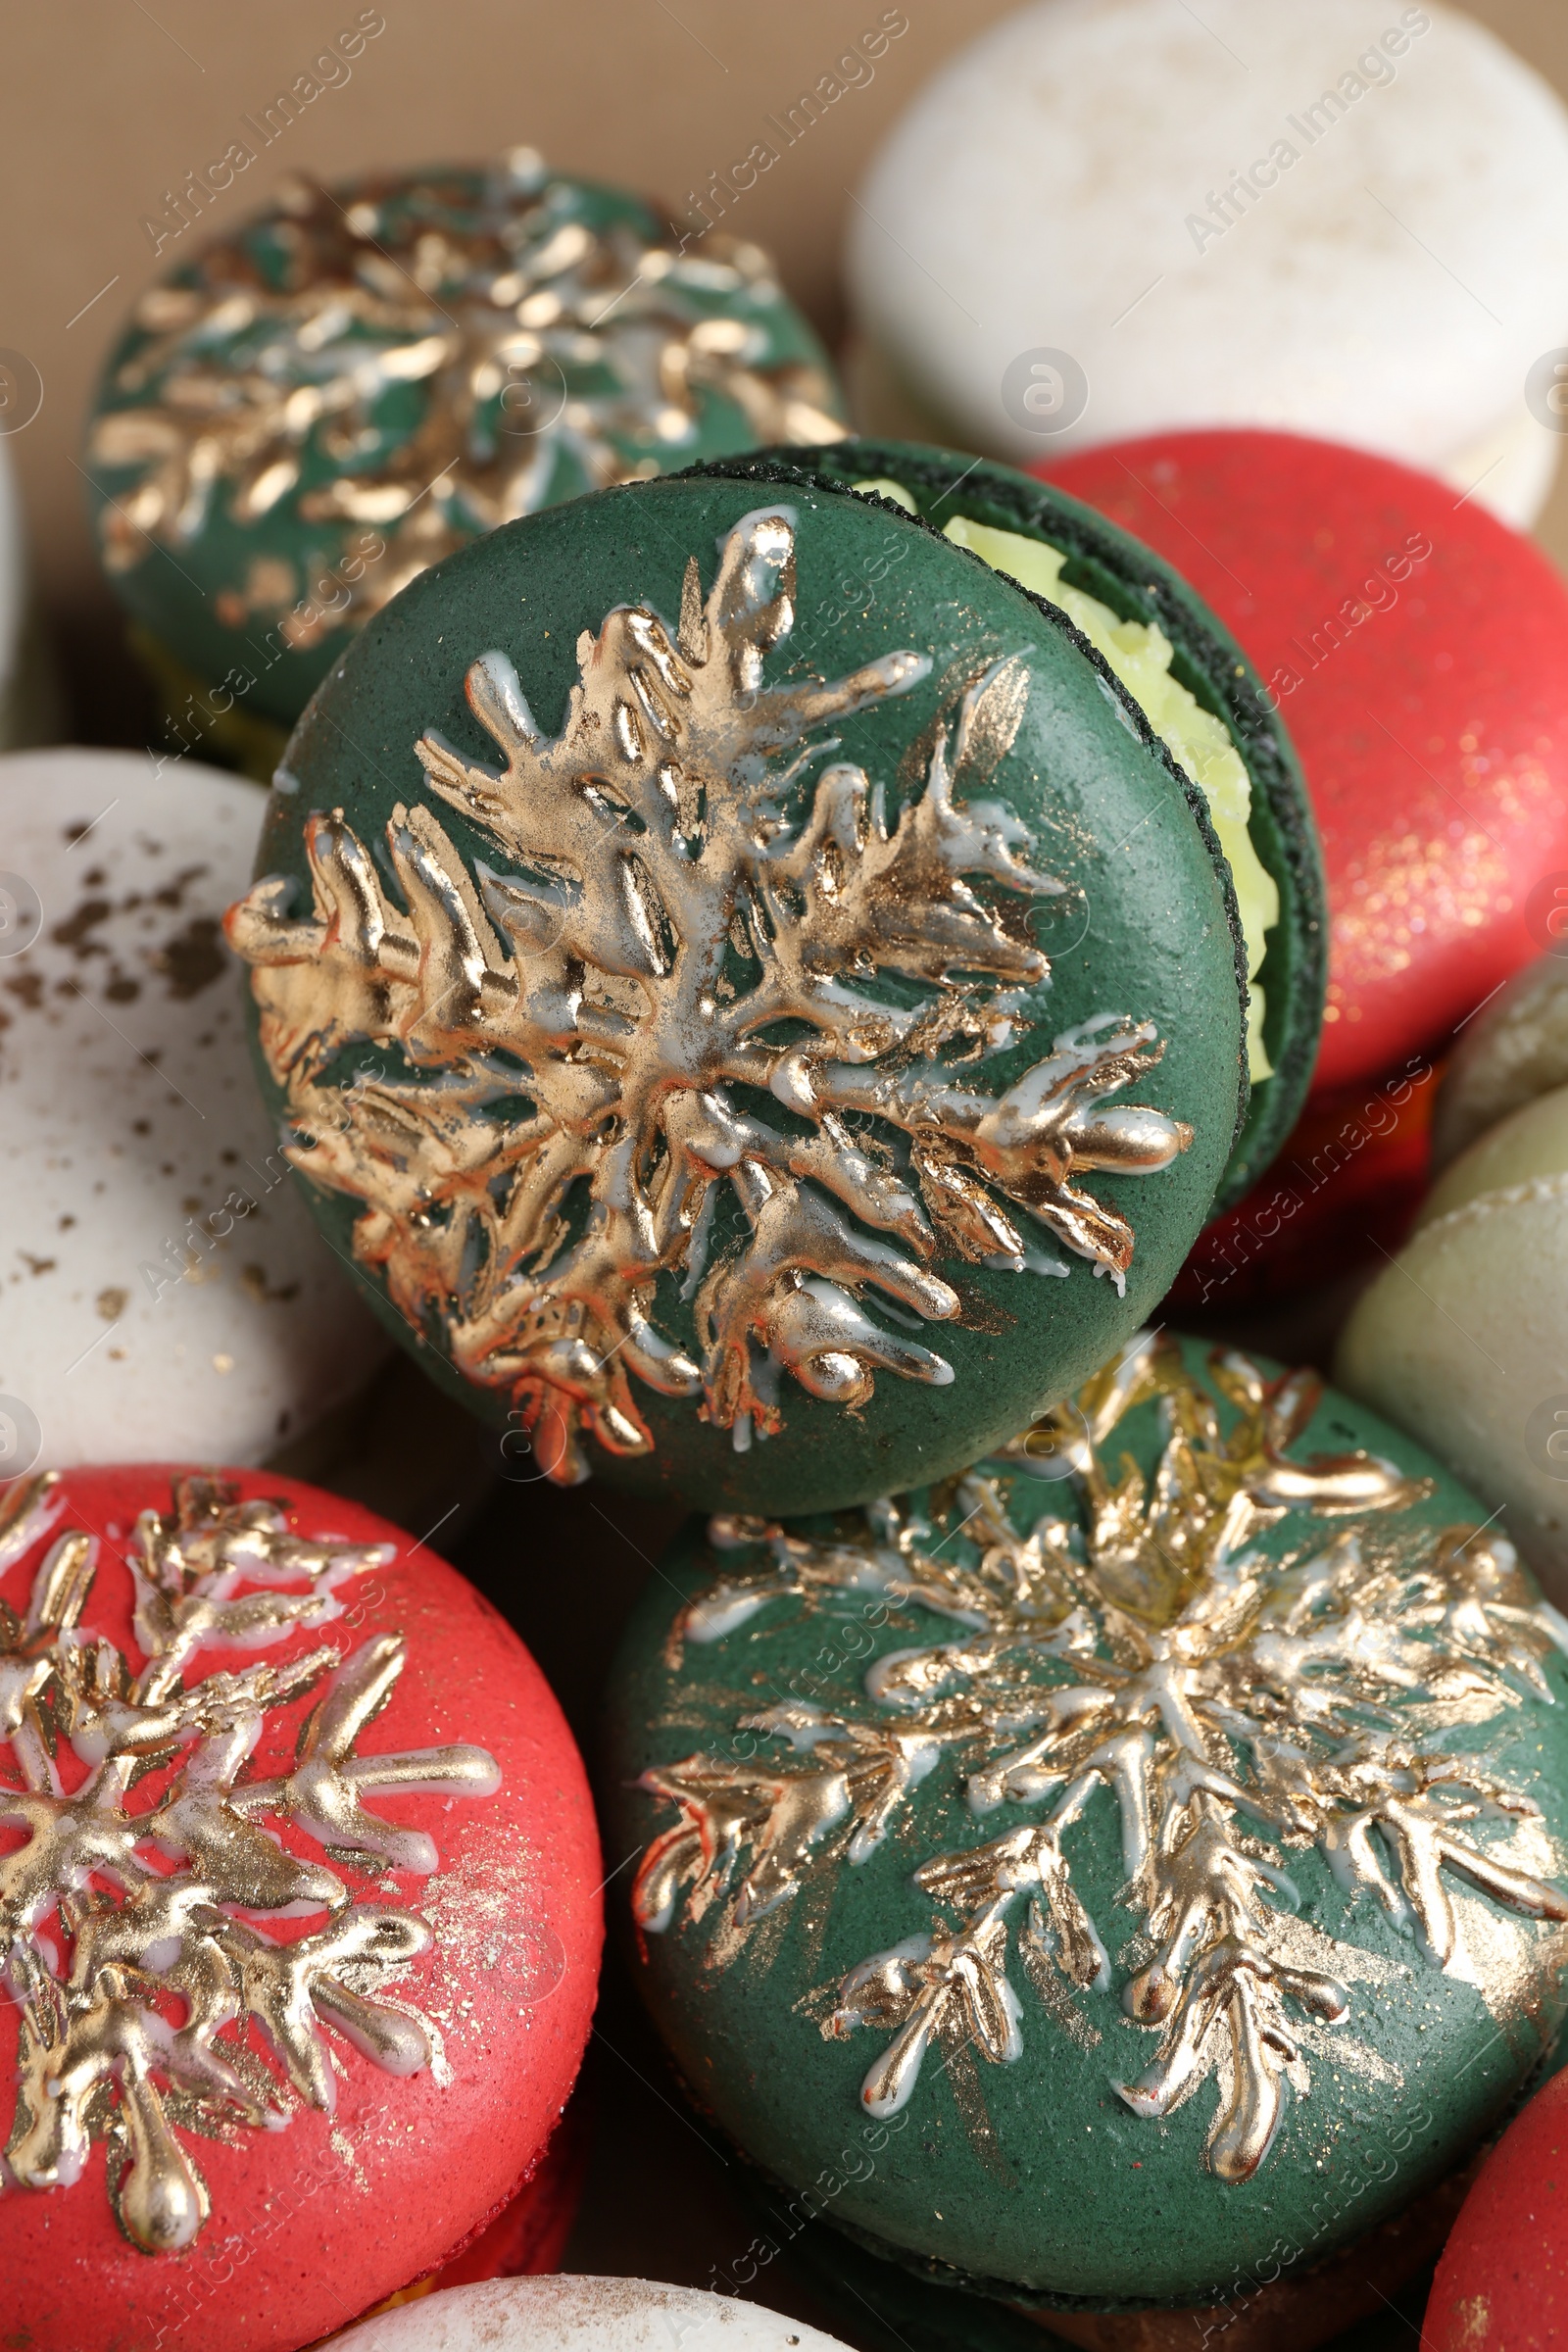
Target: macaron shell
x,y
1020,2172
527,2237
1515,1049
162,1291
1462,1340
1531,1142
298,417
1121,570
1426,694
1071,179
312,2223
1502,2282
1105,811
585,2314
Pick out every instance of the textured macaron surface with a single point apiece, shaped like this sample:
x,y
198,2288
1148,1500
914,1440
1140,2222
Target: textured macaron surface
x,y
1135,1859
1503,2284
300,1883
746,990
1217,217
162,1291
304,416
1460,1339
585,2314
1417,651
1198,692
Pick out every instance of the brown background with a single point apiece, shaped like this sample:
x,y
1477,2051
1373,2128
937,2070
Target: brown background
x,y
108,103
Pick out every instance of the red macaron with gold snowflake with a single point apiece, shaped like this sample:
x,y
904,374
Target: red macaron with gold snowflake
x,y
299,1892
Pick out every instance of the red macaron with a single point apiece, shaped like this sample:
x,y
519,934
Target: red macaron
x,y
1503,2284
1417,651
299,1880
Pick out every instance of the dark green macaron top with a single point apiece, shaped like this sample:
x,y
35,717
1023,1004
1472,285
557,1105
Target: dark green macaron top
x,y
758,1043
1149,1829
304,415
1194,689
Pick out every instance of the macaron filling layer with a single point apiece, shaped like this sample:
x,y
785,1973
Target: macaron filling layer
x,y
1139,654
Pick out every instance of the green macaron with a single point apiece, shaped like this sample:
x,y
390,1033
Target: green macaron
x,y
1146,1847
1198,692
756,1041
303,414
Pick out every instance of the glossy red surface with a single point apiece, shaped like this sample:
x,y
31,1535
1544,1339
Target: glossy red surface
x,y
1418,651
312,2222
1503,2284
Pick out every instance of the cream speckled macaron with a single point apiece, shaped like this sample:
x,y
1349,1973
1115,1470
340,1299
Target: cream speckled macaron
x,y
582,2315
1109,216
1464,1339
165,1293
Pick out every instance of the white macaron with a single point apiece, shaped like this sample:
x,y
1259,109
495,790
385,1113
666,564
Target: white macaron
x,y
581,2315
1106,217
164,1291
1464,1339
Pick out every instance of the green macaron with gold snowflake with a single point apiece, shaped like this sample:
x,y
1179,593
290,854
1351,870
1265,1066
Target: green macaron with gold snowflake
x,y
753,998
1145,1852
363,377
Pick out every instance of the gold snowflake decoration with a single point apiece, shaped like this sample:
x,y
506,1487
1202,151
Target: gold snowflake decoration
x,y
432,358
668,900
130,1932
1233,1706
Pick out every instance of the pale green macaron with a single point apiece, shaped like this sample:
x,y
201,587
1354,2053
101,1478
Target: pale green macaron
x,y
1463,1338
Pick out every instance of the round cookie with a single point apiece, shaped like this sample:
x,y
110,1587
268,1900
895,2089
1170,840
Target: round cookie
x,y
1515,1049
791,1056
304,1924
1100,221
304,416
1126,1844
164,1291
1462,1339
1503,2278
585,2314
1418,654
1195,689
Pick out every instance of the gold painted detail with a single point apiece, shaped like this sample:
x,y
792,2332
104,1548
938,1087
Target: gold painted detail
x,y
132,1933
1234,1706
680,943
430,360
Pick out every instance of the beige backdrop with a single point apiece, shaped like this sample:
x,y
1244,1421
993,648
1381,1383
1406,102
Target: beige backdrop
x,y
108,103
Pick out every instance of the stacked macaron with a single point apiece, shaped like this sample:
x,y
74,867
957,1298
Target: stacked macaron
x,y
1417,649
164,1293
1106,217
304,416
304,1926
585,2314
1209,1644
760,1114
1460,1339
766,955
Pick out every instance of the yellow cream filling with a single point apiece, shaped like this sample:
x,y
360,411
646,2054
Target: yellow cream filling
x,y
1140,654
